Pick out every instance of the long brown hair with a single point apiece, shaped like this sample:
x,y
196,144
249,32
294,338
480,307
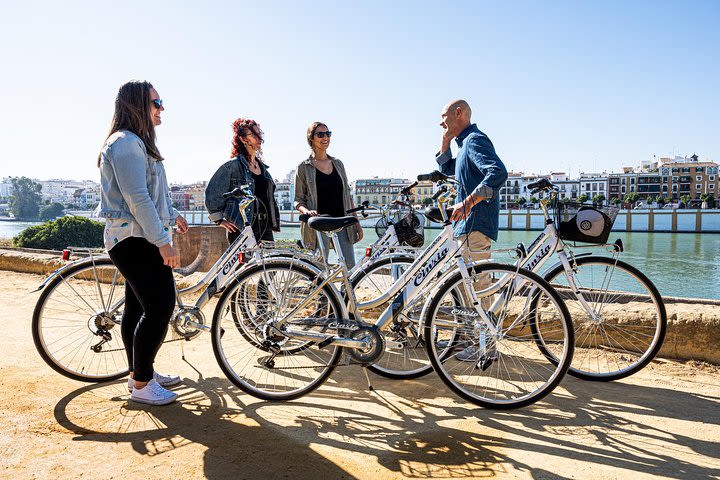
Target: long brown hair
x,y
132,112
242,127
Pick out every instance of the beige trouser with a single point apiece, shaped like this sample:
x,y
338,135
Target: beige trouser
x,y
475,247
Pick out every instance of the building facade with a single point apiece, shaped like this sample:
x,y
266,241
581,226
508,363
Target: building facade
x,y
378,191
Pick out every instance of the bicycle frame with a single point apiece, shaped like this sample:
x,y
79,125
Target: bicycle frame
x,y
443,249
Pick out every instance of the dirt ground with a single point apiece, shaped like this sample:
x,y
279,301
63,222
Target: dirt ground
x,y
660,423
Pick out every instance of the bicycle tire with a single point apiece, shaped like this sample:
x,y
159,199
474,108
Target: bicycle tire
x,y
241,356
505,370
70,315
611,347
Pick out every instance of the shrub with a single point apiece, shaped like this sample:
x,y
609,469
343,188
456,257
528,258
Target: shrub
x,y
62,233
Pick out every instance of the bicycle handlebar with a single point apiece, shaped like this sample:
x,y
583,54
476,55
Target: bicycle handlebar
x,y
541,185
440,191
239,192
434,176
406,190
361,208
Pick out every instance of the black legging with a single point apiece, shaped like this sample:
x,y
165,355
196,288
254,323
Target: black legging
x,y
149,302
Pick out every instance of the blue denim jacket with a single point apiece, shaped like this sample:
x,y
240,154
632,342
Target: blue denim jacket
x,y
230,175
134,187
478,170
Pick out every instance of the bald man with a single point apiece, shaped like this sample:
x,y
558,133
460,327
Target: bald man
x,y
480,174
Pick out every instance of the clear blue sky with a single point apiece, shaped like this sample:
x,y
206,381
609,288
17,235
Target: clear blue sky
x,y
558,86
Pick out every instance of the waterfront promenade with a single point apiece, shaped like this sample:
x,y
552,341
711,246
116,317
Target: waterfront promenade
x,y
660,423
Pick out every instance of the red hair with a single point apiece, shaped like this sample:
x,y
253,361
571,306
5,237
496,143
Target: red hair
x,y
242,127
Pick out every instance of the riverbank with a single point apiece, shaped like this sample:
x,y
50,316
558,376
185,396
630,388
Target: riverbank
x,y
659,423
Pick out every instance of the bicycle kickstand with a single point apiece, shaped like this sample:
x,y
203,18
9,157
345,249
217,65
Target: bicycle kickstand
x,y
367,377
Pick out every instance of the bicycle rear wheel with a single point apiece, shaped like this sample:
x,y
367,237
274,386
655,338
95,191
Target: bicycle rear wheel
x,y
76,322
623,327
499,369
261,359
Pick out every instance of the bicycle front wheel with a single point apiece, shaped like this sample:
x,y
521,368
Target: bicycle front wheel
x,y
259,357
494,360
76,322
620,327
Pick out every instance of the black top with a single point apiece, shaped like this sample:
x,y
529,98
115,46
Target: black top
x,y
261,222
330,193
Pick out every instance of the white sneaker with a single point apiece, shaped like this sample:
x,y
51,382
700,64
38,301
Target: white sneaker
x,y
163,380
153,394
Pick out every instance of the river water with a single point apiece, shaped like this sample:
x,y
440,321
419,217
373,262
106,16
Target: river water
x,y
680,264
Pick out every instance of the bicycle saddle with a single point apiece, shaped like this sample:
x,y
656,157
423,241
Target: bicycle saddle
x,y
433,213
329,224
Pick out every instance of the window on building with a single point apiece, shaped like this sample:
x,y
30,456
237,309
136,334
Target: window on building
x,y
698,178
674,179
698,186
711,186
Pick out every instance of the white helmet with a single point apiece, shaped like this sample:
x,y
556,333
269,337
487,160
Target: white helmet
x,y
590,222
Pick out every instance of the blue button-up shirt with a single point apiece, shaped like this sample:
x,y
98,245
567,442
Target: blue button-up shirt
x,y
478,170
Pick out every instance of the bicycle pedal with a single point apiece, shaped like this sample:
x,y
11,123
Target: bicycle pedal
x,y
394,345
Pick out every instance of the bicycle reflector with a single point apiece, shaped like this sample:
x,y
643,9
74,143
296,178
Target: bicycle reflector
x,y
66,254
368,251
241,257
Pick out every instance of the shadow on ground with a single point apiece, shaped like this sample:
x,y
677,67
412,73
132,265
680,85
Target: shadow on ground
x,y
414,429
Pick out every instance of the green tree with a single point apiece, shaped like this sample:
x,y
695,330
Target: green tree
x,y
520,201
534,200
427,201
25,200
660,200
61,233
599,199
708,198
631,198
52,211
615,200
685,199
583,198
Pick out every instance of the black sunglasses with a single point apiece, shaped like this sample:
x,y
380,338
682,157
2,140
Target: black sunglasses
x,y
157,102
323,134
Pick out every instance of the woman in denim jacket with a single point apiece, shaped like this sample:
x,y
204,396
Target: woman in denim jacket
x,y
139,216
244,168
321,188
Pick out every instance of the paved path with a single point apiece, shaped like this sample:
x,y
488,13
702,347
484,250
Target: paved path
x,y
661,423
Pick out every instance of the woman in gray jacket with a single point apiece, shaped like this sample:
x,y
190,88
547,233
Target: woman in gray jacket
x,y
139,217
321,188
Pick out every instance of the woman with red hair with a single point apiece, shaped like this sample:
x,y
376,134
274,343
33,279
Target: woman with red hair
x,y
244,168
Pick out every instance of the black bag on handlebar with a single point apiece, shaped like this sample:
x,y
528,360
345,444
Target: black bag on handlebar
x,y
584,223
409,230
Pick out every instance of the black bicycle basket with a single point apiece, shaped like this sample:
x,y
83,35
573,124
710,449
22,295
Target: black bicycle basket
x,y
408,226
578,222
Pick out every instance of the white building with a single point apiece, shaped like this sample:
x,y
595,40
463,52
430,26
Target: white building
x,y
592,184
285,194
